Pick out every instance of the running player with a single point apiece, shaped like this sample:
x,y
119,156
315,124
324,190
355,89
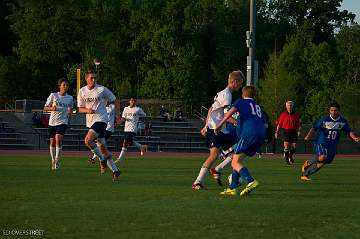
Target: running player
x,y
251,132
290,124
130,116
110,109
328,130
60,105
222,100
92,100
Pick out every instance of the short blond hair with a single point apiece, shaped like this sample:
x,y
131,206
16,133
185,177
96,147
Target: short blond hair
x,y
236,75
249,91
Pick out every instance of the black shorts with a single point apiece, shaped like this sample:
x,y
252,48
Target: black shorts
x,y
99,128
129,137
290,135
222,140
57,129
107,134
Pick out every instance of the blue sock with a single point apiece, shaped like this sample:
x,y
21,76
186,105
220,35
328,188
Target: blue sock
x,y
313,160
245,174
311,170
235,176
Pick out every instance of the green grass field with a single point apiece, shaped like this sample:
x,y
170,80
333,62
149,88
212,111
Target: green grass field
x,y
154,199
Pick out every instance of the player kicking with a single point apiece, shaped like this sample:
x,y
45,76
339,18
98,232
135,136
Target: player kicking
x,y
328,130
110,109
215,114
251,132
60,105
130,116
92,100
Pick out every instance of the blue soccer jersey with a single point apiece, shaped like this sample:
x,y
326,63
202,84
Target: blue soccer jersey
x,y
329,130
250,129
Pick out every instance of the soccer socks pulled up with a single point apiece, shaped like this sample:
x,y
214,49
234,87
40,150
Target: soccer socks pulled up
x,y
223,164
110,163
311,170
58,153
235,176
245,174
52,153
98,153
122,153
200,178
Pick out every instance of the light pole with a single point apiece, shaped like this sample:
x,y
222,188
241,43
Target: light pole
x,y
250,43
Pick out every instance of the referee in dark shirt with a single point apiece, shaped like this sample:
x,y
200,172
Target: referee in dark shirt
x,y
290,125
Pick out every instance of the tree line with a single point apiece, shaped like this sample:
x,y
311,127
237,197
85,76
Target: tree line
x,y
309,51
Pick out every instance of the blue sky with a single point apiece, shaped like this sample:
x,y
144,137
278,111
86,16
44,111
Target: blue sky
x,y
352,6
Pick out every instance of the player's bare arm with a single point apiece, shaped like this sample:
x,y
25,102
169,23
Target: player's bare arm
x,y
226,117
354,137
310,134
204,129
86,110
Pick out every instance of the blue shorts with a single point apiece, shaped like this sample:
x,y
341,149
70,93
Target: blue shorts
x,y
57,129
222,140
327,150
248,146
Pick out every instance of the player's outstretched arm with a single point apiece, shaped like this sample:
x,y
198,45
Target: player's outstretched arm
x,y
354,137
226,117
310,134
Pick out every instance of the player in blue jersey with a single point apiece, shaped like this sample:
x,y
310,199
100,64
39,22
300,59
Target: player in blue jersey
x,y
250,132
328,130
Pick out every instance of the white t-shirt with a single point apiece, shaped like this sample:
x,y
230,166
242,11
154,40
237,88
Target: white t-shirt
x,y
222,100
131,116
96,99
63,105
110,109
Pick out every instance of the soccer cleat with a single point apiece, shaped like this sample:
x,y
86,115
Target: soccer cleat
x,y
53,165
291,160
197,186
229,192
305,178
249,187
103,166
143,149
91,160
57,165
115,175
216,176
305,166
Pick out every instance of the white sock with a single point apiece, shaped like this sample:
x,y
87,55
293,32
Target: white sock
x,y
58,154
98,153
137,145
122,153
94,157
52,153
223,164
202,174
110,163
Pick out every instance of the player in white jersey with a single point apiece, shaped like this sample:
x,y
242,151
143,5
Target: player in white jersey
x,y
110,109
222,100
130,116
60,105
92,100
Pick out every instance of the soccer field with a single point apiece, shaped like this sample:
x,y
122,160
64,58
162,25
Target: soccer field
x,y
154,199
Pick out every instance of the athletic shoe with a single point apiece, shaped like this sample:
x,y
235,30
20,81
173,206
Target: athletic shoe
x,y
291,160
305,178
251,186
57,165
53,165
115,175
305,166
143,149
197,186
91,160
216,176
229,192
103,166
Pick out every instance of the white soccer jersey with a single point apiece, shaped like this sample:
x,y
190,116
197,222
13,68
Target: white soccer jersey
x,y
110,109
63,105
96,99
222,100
131,116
